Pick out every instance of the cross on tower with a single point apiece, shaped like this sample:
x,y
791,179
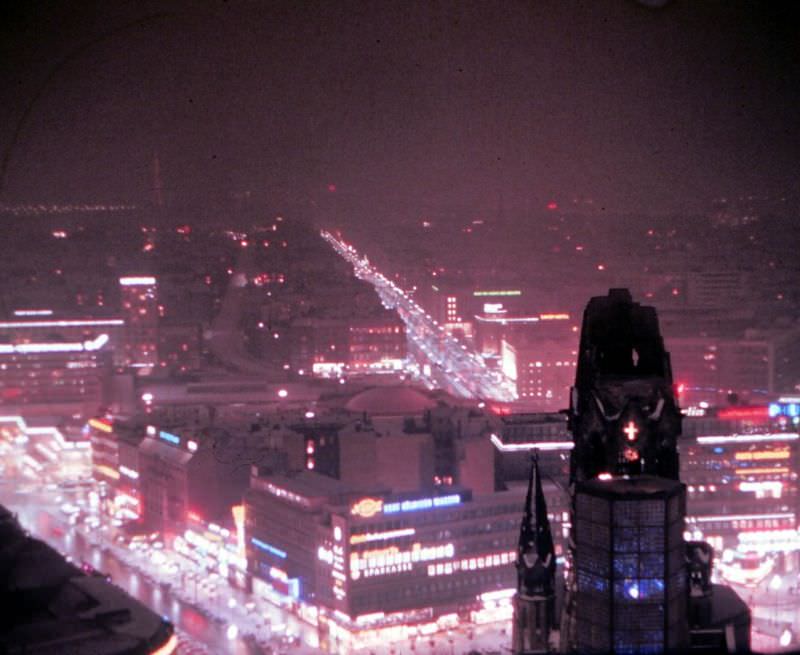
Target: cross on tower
x,y
631,431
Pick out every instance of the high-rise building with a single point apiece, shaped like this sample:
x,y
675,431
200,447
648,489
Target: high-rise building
x,y
537,352
139,300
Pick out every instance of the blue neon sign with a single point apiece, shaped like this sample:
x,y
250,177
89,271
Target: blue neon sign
x,y
263,545
791,410
421,504
166,436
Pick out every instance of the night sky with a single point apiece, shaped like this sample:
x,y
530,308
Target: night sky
x,y
416,103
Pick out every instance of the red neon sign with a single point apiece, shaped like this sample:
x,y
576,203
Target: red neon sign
x,y
752,413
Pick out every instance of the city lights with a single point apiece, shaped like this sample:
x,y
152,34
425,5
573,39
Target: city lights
x,y
534,445
748,438
114,322
137,281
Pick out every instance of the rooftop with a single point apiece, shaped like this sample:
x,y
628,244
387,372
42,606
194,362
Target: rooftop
x,y
397,400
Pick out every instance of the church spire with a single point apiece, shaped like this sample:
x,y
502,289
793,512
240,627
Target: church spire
x,y
534,601
536,560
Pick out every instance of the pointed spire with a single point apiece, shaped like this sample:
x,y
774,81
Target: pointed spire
x,y
536,559
526,533
544,537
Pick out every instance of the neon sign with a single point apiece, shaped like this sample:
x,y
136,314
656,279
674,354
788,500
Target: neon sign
x,y
382,536
367,507
421,503
137,281
263,545
790,409
128,472
748,438
499,292
167,436
748,456
62,323
103,426
755,413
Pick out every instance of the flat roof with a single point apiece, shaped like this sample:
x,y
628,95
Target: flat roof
x,y
156,446
630,487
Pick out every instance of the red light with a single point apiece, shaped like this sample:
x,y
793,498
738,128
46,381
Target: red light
x,y
552,205
757,413
681,388
332,188
500,410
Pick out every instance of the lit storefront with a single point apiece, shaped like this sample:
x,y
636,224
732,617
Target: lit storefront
x,y
215,548
743,490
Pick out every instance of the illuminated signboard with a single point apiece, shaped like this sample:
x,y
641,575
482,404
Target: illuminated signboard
x,y
101,425
754,413
134,281
171,438
269,548
128,472
421,503
382,536
758,455
472,563
58,323
33,312
385,561
325,555
790,409
107,471
498,292
493,308
748,438
367,507
761,470
67,347
554,317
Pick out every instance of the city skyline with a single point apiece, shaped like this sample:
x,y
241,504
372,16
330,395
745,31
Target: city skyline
x,y
303,306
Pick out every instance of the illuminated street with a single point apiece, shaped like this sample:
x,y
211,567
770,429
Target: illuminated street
x,y
441,359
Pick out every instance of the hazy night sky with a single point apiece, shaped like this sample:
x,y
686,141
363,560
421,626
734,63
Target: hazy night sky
x,y
433,102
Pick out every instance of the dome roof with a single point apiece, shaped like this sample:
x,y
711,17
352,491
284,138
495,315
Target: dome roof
x,y
390,401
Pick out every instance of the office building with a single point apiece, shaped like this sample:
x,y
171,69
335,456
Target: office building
x,y
139,303
377,560
56,366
